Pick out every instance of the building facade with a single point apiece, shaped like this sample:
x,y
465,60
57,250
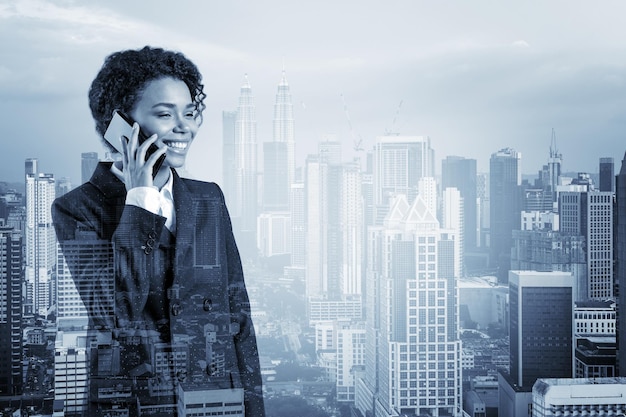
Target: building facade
x,y
413,352
11,311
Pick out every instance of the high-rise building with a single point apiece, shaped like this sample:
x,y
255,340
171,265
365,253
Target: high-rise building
x,y
607,176
505,206
399,163
10,311
63,185
620,265
541,335
276,184
88,163
460,173
554,168
40,240
350,355
246,184
298,225
284,129
229,119
483,205
413,352
334,226
541,314
452,220
71,360
589,214
548,250
274,233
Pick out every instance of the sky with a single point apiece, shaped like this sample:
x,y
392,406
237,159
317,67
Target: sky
x,y
474,76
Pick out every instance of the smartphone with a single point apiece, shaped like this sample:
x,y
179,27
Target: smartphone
x,y
121,127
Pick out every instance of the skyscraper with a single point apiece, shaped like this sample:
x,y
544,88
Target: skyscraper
x,y
399,163
40,239
276,184
541,336
620,265
505,207
413,352
229,119
554,167
88,163
607,177
589,213
334,224
460,173
284,127
10,311
245,199
541,314
452,220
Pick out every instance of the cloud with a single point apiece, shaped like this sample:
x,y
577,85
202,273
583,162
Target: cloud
x,y
521,44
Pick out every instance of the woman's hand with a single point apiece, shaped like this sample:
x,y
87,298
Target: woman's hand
x,y
136,170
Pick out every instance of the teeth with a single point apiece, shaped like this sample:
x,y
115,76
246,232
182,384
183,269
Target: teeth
x,y
177,145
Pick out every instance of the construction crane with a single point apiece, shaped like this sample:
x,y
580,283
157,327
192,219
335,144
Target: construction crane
x,y
355,140
391,131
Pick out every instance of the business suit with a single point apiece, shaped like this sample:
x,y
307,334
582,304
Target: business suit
x,y
181,323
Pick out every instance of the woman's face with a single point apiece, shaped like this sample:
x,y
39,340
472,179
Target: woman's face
x,y
165,108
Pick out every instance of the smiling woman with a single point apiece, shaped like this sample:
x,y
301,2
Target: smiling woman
x,y
169,315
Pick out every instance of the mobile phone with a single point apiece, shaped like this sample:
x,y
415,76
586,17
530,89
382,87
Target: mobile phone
x,y
120,127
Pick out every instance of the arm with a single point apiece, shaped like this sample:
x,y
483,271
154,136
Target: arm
x,y
89,234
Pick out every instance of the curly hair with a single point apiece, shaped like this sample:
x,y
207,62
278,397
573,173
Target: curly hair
x,y
124,75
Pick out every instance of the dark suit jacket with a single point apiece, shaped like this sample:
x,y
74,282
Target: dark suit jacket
x,y
169,316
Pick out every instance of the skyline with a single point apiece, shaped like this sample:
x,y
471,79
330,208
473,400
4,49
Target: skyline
x,y
474,78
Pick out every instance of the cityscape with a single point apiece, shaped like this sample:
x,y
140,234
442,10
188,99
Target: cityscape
x,y
378,287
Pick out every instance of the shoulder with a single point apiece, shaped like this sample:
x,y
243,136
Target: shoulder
x,y
77,198
210,189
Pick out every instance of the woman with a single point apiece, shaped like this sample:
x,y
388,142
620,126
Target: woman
x,y
169,316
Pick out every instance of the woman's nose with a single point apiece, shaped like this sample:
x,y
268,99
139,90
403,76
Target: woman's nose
x,y
182,125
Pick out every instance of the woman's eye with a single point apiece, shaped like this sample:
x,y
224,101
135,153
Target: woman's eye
x,y
163,115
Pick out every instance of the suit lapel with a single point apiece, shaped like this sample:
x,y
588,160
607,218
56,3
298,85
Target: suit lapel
x,y
185,220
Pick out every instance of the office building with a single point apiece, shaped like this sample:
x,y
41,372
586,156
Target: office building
x,y
452,220
88,163
298,225
460,173
413,352
589,213
284,130
595,357
228,184
350,356
276,184
40,240
620,265
547,250
591,397
595,318
483,205
541,332
607,175
274,234
505,207
71,360
399,163
10,311
246,184
541,314
334,219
